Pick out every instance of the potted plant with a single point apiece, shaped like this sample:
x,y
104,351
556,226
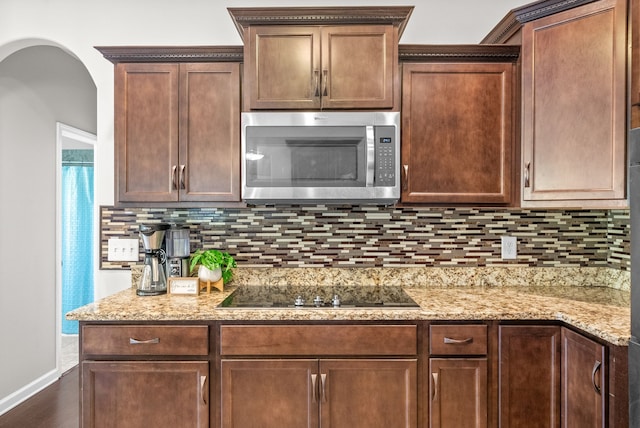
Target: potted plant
x,y
214,264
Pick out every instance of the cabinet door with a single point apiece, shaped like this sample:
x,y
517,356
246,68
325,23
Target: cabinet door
x,y
358,64
368,393
142,393
529,374
209,168
146,132
282,67
269,393
458,392
584,389
574,107
458,139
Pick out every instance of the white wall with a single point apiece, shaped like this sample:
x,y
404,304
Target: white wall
x,y
27,348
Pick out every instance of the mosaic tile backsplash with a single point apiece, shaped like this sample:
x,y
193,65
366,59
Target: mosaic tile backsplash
x,y
327,236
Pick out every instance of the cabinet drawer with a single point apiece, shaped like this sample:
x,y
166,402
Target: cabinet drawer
x,y
145,340
318,340
458,340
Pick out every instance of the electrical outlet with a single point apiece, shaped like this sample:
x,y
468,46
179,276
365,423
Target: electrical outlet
x,y
123,250
509,247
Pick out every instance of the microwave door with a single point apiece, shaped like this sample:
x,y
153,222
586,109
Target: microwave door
x,y
309,158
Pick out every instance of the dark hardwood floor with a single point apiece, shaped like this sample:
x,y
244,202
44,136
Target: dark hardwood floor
x,y
57,406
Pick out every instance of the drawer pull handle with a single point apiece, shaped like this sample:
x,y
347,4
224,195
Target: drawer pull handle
x,y
450,341
323,383
596,366
314,387
203,390
133,341
174,184
435,386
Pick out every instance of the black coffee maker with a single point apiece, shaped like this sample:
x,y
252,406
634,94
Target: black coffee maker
x,y
153,280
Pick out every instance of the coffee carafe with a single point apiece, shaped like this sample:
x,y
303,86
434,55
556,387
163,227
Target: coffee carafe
x,y
178,251
153,280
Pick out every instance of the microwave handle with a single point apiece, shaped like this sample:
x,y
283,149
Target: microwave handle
x,y
371,160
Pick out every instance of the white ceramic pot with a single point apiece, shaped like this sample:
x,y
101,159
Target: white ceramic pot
x,y
206,274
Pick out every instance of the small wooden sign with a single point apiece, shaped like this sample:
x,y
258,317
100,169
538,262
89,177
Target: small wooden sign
x,y
187,285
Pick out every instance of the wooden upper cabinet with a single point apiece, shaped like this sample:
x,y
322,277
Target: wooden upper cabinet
x,y
458,128
358,66
146,131
574,115
298,67
209,167
177,125
283,68
340,58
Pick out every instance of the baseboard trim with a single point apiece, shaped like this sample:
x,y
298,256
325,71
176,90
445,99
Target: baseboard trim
x,y
9,402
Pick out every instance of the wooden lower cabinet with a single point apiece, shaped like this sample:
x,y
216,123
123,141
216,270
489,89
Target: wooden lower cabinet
x,y
529,376
133,394
334,393
584,389
458,392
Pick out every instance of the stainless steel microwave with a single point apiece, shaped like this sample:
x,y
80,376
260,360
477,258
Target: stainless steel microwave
x,y
321,157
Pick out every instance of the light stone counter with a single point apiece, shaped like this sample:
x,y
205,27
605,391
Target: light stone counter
x,y
603,311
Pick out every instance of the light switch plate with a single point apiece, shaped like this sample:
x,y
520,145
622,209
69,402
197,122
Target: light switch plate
x,y
123,250
509,249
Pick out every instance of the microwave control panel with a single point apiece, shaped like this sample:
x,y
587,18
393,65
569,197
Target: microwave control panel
x,y
385,174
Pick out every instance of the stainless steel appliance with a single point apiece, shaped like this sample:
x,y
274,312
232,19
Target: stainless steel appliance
x,y
634,343
178,251
153,280
321,157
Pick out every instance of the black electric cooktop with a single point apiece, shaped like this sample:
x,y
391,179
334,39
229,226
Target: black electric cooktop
x,y
339,296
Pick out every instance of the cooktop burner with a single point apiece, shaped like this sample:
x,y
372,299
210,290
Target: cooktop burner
x,y
339,296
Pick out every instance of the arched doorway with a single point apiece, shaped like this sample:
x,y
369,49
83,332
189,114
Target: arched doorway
x,y
40,85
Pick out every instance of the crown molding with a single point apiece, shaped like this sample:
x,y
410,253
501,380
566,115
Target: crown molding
x,y
245,17
513,21
117,54
458,53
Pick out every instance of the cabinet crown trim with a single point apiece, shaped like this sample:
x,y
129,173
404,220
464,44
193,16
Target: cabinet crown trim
x,y
511,23
394,15
117,54
459,53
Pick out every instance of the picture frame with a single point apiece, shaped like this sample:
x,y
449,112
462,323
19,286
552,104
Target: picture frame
x,y
184,285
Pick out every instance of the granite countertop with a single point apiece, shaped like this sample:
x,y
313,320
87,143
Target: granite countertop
x,y
601,311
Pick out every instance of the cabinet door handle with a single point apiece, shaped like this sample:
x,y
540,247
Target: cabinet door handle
x,y
451,341
527,167
182,168
133,341
174,169
405,182
435,386
323,384
316,85
325,77
314,388
203,390
596,367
